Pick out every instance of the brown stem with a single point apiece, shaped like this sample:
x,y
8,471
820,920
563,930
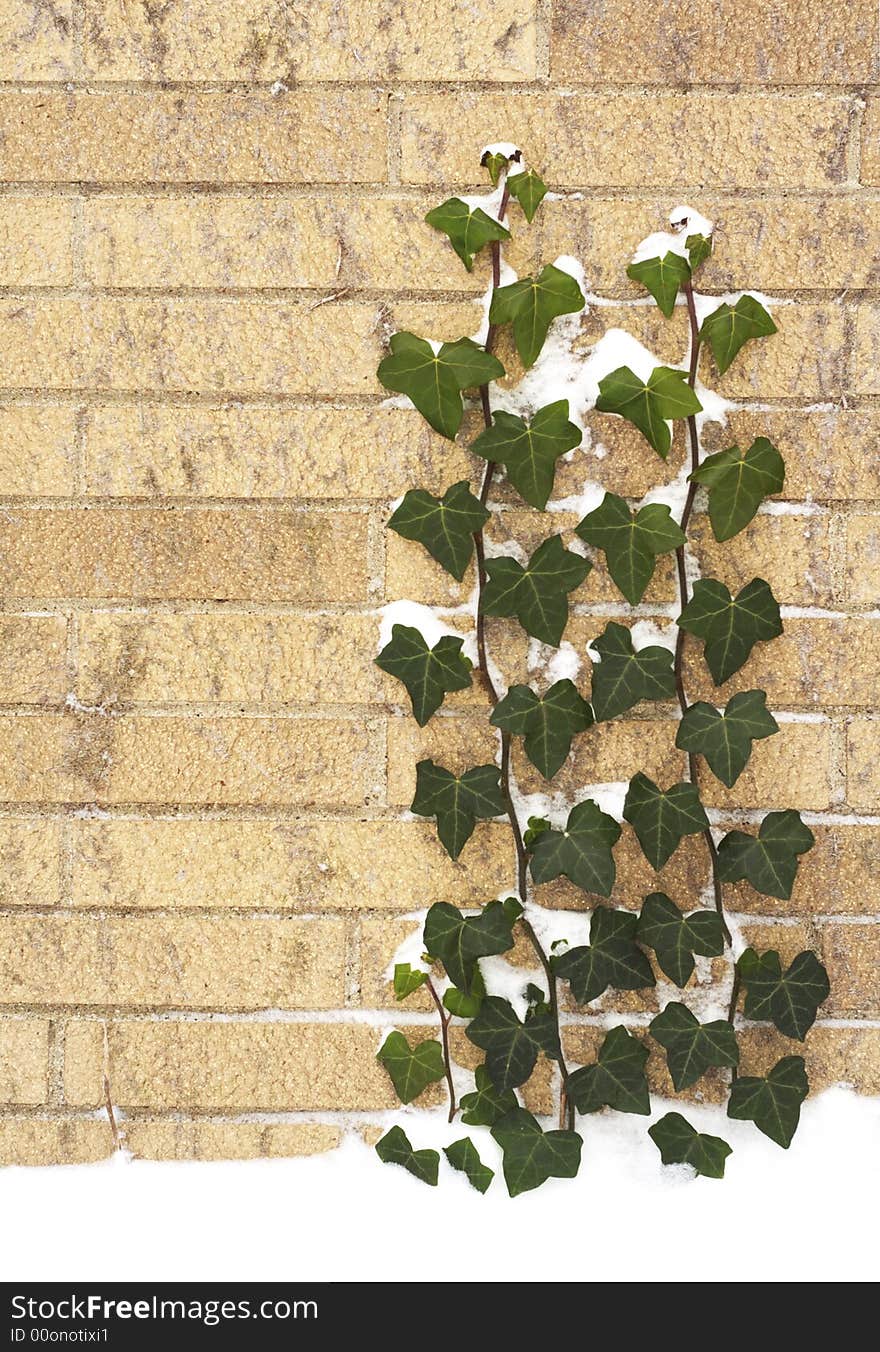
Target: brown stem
x,y
444,1038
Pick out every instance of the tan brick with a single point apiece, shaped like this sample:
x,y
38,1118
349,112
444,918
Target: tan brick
x,y
36,241
789,769
36,450
302,865
361,40
828,453
194,962
863,560
30,861
725,43
865,378
24,1060
149,1140
863,763
85,1061
791,552
833,1055
457,743
851,954
28,1140
836,875
627,140
151,554
871,142
185,137
36,42
380,939
33,659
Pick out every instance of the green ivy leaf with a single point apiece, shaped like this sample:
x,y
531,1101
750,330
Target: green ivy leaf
x,y
631,541
464,1156
512,1047
434,381
495,164
661,817
458,940
457,801
728,327
466,1006
730,626
532,304
547,723
692,1047
411,1069
738,482
468,228
726,739
663,277
680,1143
624,677
394,1148
582,852
445,526
427,673
537,594
675,937
535,828
772,1101
649,407
769,860
612,958
407,979
616,1080
529,450
486,1105
529,189
699,248
789,999
531,1155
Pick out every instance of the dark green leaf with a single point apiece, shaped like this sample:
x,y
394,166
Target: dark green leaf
x,y
660,817
726,739
582,852
649,407
532,304
463,1155
445,526
536,594
427,673
529,189
536,827
486,1104
394,1148
612,958
663,277
457,801
512,1047
458,940
407,979
728,327
680,1143
548,723
529,450
772,1101
699,248
738,482
769,860
433,381
624,677
675,937
730,626
495,163
531,1155
631,541
692,1047
411,1069
616,1080
789,999
468,228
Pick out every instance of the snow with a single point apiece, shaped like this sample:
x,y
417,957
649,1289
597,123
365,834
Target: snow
x,y
684,221
564,665
506,148
427,619
707,305
582,503
647,634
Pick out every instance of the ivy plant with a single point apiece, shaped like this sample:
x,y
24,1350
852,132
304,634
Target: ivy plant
x,y
639,942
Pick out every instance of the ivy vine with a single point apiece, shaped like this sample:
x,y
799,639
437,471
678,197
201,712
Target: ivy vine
x,y
625,945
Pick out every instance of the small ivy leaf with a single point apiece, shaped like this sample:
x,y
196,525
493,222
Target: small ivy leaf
x,y
537,594
535,828
631,541
675,938
529,189
407,979
458,940
728,327
531,1155
494,162
612,958
457,801
547,723
464,1156
468,228
663,277
699,248
445,526
465,1006
616,1080
769,861
726,739
433,381
512,1047
692,1047
532,304
738,482
427,673
529,450
513,909
582,852
661,817
772,1101
411,1069
624,677
730,626
486,1104
649,407
394,1148
680,1143
789,999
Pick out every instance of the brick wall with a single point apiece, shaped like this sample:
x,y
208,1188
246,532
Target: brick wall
x,y
211,213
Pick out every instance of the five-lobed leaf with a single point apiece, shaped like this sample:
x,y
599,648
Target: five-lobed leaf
x,y
726,739
582,852
407,979
433,381
663,277
529,449
464,1156
529,189
738,482
680,1143
486,1104
789,999
395,1148
730,626
624,676
616,1080
729,326
411,1069
458,940
427,673
631,541
661,817
612,958
536,595
772,1101
532,1155
692,1047
512,1047
675,937
468,228
457,801
769,861
532,304
445,526
547,722
650,406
